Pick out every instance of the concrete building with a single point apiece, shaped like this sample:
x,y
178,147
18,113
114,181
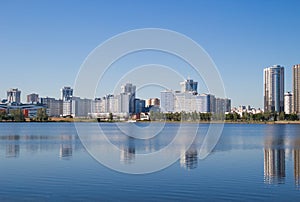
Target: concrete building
x,y
112,103
81,107
97,106
152,102
288,100
206,103
106,104
32,98
67,108
188,100
66,96
189,86
126,98
167,101
125,103
14,96
139,106
223,105
274,88
182,101
66,93
54,107
296,88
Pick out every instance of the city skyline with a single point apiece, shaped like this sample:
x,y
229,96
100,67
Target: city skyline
x,y
242,38
120,105
190,85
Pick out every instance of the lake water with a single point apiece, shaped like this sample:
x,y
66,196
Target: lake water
x,y
47,162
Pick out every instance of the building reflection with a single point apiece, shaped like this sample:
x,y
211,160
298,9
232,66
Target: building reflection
x,y
189,158
127,155
297,166
274,159
12,146
66,149
296,153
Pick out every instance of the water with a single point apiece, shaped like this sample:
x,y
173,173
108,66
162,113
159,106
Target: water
x,y
47,162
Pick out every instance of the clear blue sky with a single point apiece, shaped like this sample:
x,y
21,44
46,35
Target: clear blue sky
x,y
43,43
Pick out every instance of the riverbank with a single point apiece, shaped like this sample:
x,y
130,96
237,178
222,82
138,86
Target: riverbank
x,y
87,120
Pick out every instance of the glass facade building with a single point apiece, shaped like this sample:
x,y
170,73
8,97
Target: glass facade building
x,y
274,88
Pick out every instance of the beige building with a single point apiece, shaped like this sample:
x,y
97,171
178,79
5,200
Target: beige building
x,y
296,88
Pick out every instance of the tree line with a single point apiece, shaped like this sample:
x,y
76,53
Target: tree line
x,y
17,115
233,117
263,117
181,116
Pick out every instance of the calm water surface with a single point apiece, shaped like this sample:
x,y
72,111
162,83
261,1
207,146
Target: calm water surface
x,y
47,162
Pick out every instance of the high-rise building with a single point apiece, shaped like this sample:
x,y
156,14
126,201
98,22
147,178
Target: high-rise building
x,y
127,97
66,93
113,104
106,104
14,95
167,101
152,102
32,98
125,103
190,101
67,108
223,105
206,103
98,106
54,107
66,96
189,86
139,106
288,100
274,88
81,107
296,88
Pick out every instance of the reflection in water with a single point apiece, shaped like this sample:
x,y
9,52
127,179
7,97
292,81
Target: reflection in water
x,y
13,147
278,142
189,159
65,149
274,159
12,150
296,152
127,155
297,166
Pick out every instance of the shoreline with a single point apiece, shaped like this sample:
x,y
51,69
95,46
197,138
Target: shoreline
x,y
84,120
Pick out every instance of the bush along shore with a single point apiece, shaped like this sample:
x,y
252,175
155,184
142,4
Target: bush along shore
x,y
267,117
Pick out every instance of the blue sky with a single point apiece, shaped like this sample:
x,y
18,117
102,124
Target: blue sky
x,y
43,43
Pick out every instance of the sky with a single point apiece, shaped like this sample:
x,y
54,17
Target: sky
x,y
44,43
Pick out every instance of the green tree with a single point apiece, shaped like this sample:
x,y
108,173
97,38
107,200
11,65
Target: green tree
x,y
177,116
291,117
42,115
3,115
236,116
17,115
110,117
267,116
281,116
229,117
